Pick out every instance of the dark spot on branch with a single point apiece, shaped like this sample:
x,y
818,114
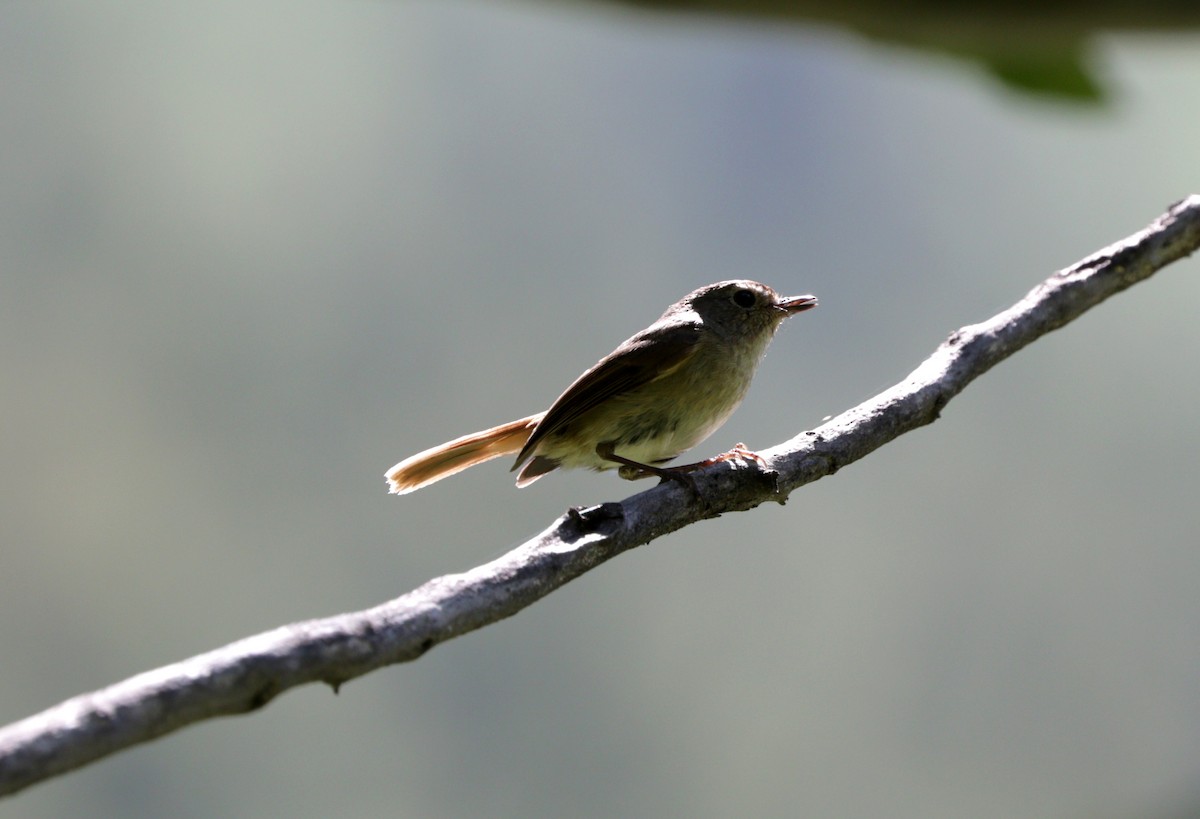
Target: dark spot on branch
x,y
262,696
591,519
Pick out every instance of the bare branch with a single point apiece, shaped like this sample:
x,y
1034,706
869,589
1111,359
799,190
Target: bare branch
x,y
246,675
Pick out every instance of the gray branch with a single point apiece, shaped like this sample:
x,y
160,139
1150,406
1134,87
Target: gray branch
x,y
248,674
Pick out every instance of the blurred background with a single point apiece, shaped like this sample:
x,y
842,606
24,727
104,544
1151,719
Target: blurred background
x,y
254,253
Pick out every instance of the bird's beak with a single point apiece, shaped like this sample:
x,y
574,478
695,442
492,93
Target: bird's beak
x,y
796,304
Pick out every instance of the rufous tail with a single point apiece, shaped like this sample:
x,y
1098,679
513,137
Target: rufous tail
x,y
454,456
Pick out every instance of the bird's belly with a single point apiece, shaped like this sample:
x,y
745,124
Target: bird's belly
x,y
649,432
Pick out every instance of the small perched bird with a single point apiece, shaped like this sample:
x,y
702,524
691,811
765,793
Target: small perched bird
x,y
661,392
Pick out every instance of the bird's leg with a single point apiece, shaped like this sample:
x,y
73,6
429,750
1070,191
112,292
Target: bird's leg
x,y
632,470
738,453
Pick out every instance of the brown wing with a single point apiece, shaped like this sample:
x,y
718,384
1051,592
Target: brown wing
x,y
642,359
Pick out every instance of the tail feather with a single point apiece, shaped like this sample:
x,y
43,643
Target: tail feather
x,y
454,456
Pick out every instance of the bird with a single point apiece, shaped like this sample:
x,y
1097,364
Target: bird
x,y
659,393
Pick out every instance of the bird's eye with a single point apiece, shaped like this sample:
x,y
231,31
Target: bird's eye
x,y
744,298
